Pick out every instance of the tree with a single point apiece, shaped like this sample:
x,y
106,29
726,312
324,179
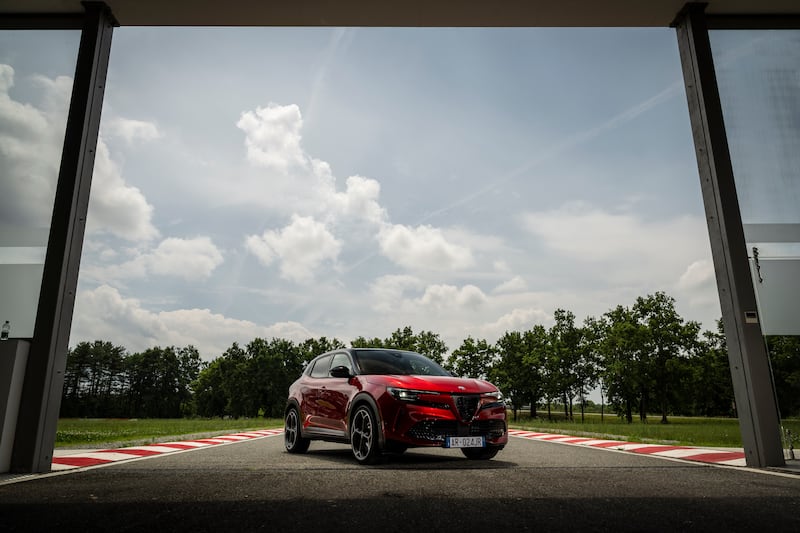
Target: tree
x,y
361,342
534,360
189,365
507,372
565,354
236,383
667,339
587,365
94,380
210,398
274,365
518,370
402,339
712,385
784,353
160,380
619,334
430,345
473,359
426,343
310,348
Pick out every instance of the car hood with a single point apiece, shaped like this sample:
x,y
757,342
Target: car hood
x,y
433,383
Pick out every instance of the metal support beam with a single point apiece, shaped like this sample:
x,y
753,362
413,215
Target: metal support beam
x,y
44,375
752,380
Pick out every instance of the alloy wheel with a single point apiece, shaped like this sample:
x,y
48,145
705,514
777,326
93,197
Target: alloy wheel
x,y
363,436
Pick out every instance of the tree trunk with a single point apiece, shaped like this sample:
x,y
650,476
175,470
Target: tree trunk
x,y
643,406
602,405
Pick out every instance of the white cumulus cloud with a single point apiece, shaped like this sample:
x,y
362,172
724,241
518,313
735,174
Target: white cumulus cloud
x,y
116,207
131,130
388,293
272,136
31,138
422,248
449,296
189,259
103,313
516,320
515,284
622,245
360,200
301,247
697,274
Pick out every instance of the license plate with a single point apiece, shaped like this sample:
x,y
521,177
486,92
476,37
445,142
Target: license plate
x,y
464,442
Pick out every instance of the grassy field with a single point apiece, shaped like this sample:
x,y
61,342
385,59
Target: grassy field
x,y
687,431
716,432
100,432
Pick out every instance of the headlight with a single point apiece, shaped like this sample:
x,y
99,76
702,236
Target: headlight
x,y
493,397
408,395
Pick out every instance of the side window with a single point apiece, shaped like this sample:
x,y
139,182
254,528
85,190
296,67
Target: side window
x,y
341,359
321,367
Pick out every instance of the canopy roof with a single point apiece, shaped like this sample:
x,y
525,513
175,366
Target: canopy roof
x,y
544,13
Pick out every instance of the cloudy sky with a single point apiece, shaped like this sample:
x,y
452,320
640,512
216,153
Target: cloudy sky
x,y
342,182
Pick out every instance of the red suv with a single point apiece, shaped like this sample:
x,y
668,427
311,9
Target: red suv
x,y
380,400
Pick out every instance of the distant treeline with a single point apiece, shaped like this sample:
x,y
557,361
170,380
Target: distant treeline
x,y
645,359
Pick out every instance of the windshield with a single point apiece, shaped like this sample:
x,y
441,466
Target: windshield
x,y
397,362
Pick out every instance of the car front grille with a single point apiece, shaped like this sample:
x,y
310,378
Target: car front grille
x,y
438,430
467,405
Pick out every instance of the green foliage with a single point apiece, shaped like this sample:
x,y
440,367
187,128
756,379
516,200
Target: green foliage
x,y
645,358
253,380
683,431
473,359
666,340
426,343
784,352
102,380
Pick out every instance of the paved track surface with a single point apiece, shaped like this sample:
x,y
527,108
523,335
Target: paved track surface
x,y
531,486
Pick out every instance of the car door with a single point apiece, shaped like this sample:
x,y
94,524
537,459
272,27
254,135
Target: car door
x,y
338,393
312,392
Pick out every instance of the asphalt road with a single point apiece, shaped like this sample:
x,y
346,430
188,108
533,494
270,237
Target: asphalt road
x,y
530,486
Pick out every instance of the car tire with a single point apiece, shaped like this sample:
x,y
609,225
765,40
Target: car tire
x,y
293,440
364,439
481,454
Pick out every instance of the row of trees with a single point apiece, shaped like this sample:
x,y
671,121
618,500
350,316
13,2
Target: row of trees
x,y
643,359
103,380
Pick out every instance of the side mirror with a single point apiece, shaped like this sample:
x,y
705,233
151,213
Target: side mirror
x,y
340,372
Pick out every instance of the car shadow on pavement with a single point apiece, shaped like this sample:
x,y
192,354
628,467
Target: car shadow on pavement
x,y
433,459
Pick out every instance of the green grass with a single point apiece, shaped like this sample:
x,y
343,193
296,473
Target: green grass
x,y
100,432
695,431
684,431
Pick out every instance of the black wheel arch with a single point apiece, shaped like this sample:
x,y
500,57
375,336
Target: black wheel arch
x,y
363,398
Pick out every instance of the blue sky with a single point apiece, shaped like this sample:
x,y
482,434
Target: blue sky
x,y
300,182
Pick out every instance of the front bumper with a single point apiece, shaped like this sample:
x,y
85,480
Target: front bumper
x,y
429,424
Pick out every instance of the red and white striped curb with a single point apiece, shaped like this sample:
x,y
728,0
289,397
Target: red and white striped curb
x,y
703,455
78,459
